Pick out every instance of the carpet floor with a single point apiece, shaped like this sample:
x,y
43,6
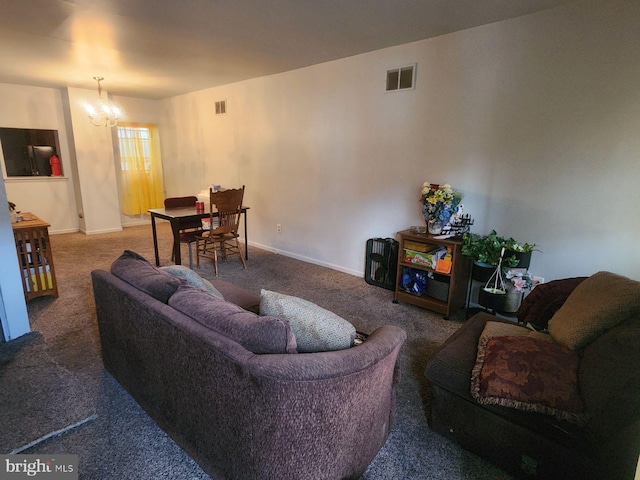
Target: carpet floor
x,y
46,400
119,441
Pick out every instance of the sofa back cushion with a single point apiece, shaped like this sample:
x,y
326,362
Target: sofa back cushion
x,y
255,333
138,272
192,278
599,303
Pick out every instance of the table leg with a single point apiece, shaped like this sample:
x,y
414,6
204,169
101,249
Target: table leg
x,y
155,239
175,227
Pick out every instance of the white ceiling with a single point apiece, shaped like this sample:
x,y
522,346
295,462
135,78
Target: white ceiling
x,y
161,48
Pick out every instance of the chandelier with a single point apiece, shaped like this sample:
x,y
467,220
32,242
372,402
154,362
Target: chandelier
x,y
103,115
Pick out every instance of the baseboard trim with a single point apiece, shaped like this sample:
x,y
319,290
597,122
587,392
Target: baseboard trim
x,y
306,259
66,230
98,232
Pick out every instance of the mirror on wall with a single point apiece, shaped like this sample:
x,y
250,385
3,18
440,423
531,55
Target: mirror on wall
x,y
30,152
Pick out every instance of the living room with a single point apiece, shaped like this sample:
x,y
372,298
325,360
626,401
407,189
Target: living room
x,y
524,117
534,119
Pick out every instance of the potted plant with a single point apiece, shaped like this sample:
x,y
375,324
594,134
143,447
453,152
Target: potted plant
x,y
485,251
520,253
494,293
517,282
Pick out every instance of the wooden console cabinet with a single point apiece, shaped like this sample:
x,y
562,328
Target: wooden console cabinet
x,y
35,257
449,291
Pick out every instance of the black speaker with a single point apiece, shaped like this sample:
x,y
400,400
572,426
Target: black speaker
x,y
381,262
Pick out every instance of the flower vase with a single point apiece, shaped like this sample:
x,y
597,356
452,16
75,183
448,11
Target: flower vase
x,y
512,300
434,226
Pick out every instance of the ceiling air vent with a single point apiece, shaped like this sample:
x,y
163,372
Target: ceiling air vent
x,y
221,107
403,78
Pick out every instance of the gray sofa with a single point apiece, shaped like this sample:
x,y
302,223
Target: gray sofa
x,y
238,413
605,444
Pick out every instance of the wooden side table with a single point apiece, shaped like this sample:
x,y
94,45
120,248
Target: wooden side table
x,y
35,257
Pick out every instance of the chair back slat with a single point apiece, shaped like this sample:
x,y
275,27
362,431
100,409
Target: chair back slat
x,y
227,204
225,209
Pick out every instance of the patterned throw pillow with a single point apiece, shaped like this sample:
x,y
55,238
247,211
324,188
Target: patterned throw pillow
x,y
530,373
192,278
315,329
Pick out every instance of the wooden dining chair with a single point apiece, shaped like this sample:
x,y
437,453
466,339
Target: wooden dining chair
x,y
189,229
225,209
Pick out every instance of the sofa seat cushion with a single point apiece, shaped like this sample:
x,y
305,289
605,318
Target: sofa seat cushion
x,y
140,273
599,303
316,329
529,372
234,294
450,366
192,278
255,333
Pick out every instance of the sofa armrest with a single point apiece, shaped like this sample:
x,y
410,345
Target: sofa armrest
x,y
451,364
544,300
384,342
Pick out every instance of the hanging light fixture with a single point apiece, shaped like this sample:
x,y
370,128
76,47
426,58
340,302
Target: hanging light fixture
x,y
104,115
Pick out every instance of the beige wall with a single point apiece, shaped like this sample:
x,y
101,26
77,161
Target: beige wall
x,y
49,198
535,119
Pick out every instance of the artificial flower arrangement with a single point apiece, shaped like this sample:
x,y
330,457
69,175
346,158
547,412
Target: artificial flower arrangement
x,y
439,202
521,279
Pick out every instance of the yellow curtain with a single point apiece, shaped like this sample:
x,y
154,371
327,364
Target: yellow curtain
x,y
141,181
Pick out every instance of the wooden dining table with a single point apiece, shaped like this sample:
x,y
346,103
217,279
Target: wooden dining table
x,y
179,215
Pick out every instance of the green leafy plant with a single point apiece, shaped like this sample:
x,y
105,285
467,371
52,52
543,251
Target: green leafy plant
x,y
513,245
487,249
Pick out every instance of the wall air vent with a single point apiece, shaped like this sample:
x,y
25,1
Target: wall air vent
x,y
221,107
403,78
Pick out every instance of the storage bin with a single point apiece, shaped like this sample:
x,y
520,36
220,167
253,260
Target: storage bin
x,y
438,287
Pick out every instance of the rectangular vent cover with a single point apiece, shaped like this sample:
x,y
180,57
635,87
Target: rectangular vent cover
x,y
403,78
221,107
